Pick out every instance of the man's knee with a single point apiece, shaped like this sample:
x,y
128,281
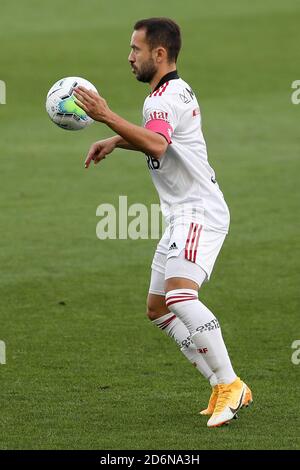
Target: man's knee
x,y
151,313
156,306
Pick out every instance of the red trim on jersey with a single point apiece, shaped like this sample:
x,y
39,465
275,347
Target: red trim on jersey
x,y
160,127
160,90
163,88
155,92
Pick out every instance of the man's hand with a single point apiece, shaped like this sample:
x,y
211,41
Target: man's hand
x,y
99,150
95,106
136,137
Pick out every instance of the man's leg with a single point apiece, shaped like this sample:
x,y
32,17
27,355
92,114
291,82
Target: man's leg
x,y
204,329
161,316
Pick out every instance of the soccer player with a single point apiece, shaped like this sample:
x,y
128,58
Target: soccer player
x,y
192,203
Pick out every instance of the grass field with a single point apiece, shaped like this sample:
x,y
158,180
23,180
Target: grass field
x,y
85,368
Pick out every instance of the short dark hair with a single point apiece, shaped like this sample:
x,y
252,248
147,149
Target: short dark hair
x,y
162,32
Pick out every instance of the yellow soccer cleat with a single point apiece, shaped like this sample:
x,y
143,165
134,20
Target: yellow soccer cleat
x,y
248,398
230,399
213,400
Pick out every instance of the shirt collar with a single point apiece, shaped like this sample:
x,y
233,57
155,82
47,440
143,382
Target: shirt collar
x,y
169,76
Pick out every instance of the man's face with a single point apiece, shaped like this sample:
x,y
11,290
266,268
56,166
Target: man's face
x,y
140,57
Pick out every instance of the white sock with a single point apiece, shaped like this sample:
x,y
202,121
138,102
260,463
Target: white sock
x,y
174,328
205,331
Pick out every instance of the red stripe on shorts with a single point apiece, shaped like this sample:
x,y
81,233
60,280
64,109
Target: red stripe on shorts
x,y
196,244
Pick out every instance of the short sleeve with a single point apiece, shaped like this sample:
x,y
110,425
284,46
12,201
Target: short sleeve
x,y
159,116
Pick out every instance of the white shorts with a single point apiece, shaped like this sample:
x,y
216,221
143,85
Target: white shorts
x,y
186,250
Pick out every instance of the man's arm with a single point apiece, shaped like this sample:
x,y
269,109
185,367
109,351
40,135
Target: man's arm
x,y
123,144
144,140
101,148
138,137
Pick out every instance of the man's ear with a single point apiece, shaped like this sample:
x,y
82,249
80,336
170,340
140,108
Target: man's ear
x,y
161,54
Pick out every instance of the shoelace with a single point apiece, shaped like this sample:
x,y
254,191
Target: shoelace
x,y
224,395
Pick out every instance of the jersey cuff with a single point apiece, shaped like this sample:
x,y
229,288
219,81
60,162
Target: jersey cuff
x,y
160,127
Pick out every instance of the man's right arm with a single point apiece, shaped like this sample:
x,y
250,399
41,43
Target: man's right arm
x,y
100,149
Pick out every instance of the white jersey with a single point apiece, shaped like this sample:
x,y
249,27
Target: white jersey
x,y
183,177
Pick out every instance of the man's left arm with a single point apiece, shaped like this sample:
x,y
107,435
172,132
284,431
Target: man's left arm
x,y
147,141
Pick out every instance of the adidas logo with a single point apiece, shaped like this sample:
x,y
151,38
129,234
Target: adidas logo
x,y
173,246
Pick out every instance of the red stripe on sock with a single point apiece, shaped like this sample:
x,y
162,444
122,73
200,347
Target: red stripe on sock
x,y
174,300
182,293
165,323
187,297
179,295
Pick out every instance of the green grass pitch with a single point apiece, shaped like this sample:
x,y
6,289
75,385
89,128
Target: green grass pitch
x,y
85,369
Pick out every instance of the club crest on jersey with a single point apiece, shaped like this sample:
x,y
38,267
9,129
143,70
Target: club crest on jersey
x,y
187,95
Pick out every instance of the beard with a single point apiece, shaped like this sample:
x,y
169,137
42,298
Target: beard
x,y
146,72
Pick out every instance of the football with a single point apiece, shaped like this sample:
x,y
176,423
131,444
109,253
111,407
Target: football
x,y
61,106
